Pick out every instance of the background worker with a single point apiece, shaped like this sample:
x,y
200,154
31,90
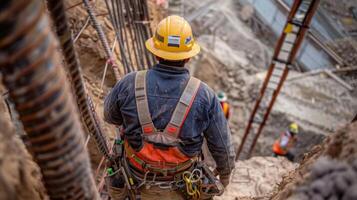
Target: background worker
x,y
164,111
286,142
222,97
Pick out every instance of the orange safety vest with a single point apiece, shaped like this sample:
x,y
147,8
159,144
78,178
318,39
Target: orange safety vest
x,y
225,108
152,157
277,149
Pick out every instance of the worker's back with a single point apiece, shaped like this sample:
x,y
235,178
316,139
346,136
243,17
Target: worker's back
x,y
165,115
165,85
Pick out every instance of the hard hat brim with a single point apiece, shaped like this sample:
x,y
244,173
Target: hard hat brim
x,y
172,55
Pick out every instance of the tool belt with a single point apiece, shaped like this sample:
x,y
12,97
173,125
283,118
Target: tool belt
x,y
195,182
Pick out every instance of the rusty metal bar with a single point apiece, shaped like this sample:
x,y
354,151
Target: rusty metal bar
x,y
305,27
270,107
131,23
102,38
251,118
33,74
88,115
314,38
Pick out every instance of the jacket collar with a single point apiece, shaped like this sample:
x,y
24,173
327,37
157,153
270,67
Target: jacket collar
x,y
170,69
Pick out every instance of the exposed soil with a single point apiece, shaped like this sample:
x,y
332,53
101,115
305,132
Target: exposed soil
x,y
20,177
336,162
256,177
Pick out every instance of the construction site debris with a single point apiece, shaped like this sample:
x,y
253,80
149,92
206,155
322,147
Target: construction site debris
x,y
346,48
256,177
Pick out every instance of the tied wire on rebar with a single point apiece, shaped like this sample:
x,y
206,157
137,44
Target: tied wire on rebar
x,y
130,19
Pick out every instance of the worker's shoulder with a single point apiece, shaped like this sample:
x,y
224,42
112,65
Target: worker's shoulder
x,y
205,93
129,77
127,82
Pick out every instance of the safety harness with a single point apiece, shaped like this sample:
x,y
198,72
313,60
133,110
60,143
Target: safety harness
x,y
160,162
160,152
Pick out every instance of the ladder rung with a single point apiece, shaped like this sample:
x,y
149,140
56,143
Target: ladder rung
x,y
257,120
279,66
275,77
255,126
306,2
283,56
298,21
290,37
268,94
261,109
272,86
248,141
285,51
278,72
296,29
287,46
271,90
302,8
288,42
261,114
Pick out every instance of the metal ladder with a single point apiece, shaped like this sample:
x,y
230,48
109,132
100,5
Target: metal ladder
x,y
286,49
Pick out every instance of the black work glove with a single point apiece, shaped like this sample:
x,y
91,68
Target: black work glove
x,y
225,179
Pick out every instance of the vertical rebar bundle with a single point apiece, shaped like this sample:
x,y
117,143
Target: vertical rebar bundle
x,y
89,117
32,73
130,19
102,38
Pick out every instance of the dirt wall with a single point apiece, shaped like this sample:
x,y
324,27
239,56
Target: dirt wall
x,y
332,164
20,177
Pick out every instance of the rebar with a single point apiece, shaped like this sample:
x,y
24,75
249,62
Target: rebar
x,y
102,38
36,82
88,115
130,19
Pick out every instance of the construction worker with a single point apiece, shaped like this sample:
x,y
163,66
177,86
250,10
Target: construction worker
x,y
165,114
222,97
287,140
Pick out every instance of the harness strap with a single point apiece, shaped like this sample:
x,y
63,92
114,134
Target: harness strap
x,y
142,105
181,111
183,107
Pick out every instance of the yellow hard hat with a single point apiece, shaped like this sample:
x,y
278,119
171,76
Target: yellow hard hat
x,y
294,128
173,40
